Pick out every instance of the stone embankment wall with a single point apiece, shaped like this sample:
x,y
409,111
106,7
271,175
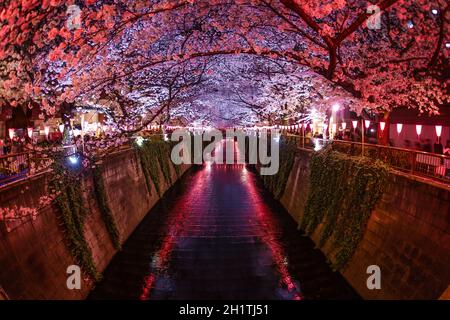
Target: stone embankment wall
x,y
407,235
34,254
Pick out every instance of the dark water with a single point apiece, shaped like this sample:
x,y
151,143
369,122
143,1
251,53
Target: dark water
x,y
218,234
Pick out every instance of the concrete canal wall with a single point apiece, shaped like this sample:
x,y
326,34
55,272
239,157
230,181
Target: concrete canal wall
x,y
407,235
34,254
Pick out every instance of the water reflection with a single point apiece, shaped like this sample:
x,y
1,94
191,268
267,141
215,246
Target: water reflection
x,y
218,235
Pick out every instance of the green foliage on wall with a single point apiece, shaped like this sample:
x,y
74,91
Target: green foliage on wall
x,y
277,183
342,194
108,218
66,184
155,155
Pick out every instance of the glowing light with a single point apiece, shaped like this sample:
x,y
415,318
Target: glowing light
x,y
355,124
367,124
344,125
434,11
399,128
73,159
46,130
334,127
336,107
140,141
438,131
382,125
317,145
447,45
30,132
418,129
410,24
61,128
11,133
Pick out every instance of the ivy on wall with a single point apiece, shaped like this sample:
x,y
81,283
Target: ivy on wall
x,y
108,218
342,194
277,183
154,156
67,185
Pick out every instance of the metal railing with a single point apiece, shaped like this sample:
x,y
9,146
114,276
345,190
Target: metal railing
x,y
18,166
415,162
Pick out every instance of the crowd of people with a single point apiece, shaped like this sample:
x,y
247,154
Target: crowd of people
x,y
427,146
424,145
11,146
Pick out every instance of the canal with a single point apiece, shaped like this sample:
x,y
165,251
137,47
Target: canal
x,y
218,234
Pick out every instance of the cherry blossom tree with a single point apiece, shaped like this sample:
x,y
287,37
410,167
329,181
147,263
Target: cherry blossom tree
x,y
145,61
49,60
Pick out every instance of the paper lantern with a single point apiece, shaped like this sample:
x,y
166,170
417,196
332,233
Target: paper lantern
x,y
438,131
418,129
61,128
11,133
382,125
399,127
46,130
30,132
355,123
344,125
367,124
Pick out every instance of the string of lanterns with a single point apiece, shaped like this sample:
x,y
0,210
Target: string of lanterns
x,y
367,124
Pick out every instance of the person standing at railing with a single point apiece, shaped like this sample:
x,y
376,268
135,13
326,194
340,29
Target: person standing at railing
x,y
417,146
438,148
16,145
427,146
7,146
447,148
